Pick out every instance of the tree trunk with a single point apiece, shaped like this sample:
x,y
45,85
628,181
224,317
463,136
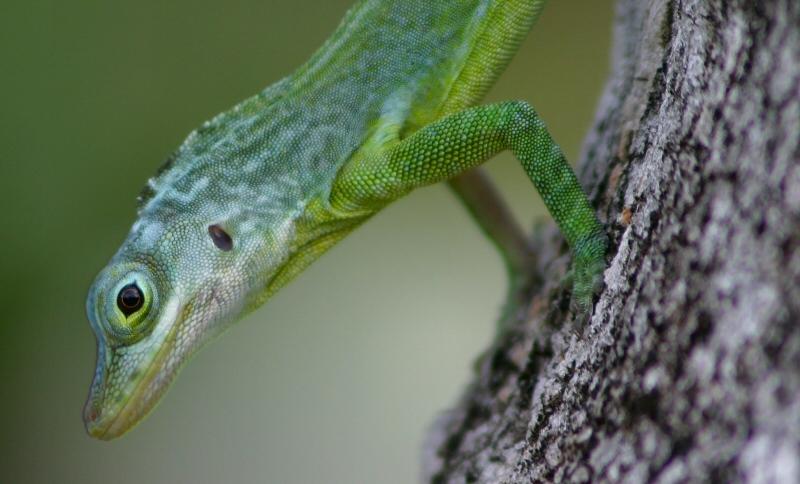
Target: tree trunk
x,y
689,369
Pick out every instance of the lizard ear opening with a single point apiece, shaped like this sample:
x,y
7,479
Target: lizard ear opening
x,y
220,238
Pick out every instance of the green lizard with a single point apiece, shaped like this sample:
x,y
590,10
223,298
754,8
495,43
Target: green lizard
x,y
259,192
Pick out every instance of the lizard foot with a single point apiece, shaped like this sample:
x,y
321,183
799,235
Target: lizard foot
x,y
587,276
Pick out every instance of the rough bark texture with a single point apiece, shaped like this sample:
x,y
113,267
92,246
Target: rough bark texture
x,y
689,369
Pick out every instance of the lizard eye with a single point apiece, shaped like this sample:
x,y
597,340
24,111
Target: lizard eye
x,y
130,299
128,308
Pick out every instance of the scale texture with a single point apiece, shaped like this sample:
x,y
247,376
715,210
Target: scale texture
x,y
259,192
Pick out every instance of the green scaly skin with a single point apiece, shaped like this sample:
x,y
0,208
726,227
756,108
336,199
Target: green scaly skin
x,y
385,106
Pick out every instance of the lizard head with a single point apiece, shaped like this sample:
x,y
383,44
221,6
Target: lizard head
x,y
170,288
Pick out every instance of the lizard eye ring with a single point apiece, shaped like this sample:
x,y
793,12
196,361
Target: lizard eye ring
x,y
127,307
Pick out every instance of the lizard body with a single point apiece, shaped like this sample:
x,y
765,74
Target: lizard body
x,y
260,191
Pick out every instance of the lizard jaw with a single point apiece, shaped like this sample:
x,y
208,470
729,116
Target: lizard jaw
x,y
110,411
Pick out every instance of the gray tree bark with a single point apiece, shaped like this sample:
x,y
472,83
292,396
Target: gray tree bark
x,y
689,369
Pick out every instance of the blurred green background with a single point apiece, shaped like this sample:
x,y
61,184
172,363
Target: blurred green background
x,y
338,377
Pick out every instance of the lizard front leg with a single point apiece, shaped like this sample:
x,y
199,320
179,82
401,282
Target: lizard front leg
x,y
450,146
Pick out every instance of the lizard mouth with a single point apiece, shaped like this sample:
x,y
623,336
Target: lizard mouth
x,y
129,381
